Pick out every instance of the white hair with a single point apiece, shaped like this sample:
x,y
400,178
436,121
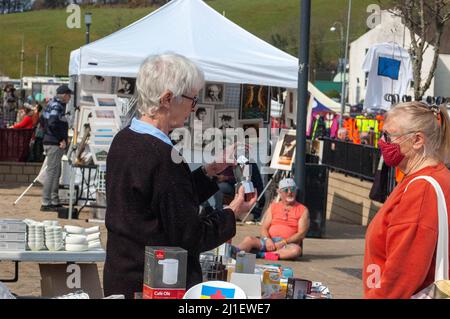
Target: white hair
x,y
159,73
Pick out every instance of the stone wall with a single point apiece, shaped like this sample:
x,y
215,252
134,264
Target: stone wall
x,y
348,200
15,172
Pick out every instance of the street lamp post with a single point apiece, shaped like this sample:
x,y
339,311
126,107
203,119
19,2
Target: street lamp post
x,y
344,63
88,22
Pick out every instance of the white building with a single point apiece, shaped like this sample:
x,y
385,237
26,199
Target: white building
x,y
391,29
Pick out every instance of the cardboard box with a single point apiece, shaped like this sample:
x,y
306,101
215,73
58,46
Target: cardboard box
x,y
298,288
13,237
12,245
164,273
62,279
272,285
12,226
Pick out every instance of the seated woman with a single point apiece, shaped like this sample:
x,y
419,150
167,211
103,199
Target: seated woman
x,y
283,228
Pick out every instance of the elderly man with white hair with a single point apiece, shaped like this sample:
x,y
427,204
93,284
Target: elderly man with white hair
x,y
283,228
153,198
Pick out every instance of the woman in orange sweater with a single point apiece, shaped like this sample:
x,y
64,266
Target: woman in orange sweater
x,y
401,240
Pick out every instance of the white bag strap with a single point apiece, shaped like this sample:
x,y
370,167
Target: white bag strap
x,y
442,260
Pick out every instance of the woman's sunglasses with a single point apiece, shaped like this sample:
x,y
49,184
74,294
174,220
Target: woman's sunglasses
x,y
388,137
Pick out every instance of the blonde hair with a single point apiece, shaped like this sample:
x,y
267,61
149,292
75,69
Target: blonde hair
x,y
432,121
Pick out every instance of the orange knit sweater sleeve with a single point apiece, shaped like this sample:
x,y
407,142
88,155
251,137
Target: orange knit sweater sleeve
x,y
410,243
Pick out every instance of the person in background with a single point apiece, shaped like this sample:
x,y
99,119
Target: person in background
x,y
36,144
9,105
400,250
284,226
26,115
153,197
55,125
36,114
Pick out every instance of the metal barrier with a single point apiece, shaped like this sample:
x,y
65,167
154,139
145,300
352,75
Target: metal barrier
x,y
358,160
15,144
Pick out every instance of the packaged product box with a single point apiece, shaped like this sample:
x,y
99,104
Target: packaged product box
x,y
164,273
12,245
298,288
273,286
17,237
12,226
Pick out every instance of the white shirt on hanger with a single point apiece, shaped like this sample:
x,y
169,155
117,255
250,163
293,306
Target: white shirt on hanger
x,y
390,72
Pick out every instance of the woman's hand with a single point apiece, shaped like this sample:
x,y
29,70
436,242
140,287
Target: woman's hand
x,y
223,160
239,205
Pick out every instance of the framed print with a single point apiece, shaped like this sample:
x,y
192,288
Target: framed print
x,y
255,102
106,116
83,117
197,139
125,86
252,123
106,100
284,153
214,93
204,115
99,154
95,84
87,99
226,118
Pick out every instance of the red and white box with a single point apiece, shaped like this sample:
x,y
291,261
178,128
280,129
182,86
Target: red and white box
x,y
164,273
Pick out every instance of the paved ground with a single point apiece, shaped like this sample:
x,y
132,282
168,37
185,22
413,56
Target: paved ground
x,y
336,260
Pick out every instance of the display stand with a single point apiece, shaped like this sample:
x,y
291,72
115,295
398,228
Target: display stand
x,y
78,272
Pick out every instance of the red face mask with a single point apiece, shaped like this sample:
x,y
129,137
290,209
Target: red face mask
x,y
391,153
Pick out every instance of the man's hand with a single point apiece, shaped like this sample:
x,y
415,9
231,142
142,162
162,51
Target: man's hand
x,y
62,144
270,246
279,245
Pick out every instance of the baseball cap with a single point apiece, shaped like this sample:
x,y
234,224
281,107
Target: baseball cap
x,y
286,182
64,89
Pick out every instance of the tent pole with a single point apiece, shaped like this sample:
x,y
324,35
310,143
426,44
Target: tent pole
x,y
302,98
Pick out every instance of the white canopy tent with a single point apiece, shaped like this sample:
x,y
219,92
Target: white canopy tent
x,y
225,51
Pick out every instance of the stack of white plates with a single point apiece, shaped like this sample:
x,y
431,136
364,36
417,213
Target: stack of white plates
x,y
54,238
35,236
76,238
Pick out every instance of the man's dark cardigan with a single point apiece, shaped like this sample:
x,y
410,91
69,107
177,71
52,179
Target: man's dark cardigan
x,y
153,201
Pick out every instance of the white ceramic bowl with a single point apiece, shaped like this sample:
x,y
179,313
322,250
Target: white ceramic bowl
x,y
75,247
78,240
92,230
93,236
74,229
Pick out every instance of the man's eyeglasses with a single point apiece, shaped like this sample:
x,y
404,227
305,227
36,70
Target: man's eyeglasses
x,y
193,99
287,189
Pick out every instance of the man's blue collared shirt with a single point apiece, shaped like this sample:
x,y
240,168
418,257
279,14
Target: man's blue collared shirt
x,y
142,127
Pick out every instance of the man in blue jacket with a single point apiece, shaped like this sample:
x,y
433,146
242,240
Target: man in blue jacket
x,y
55,141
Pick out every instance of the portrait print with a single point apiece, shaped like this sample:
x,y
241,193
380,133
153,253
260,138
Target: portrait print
x,y
126,86
203,115
226,118
213,93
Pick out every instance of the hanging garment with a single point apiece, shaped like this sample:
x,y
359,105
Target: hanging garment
x,y
390,72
